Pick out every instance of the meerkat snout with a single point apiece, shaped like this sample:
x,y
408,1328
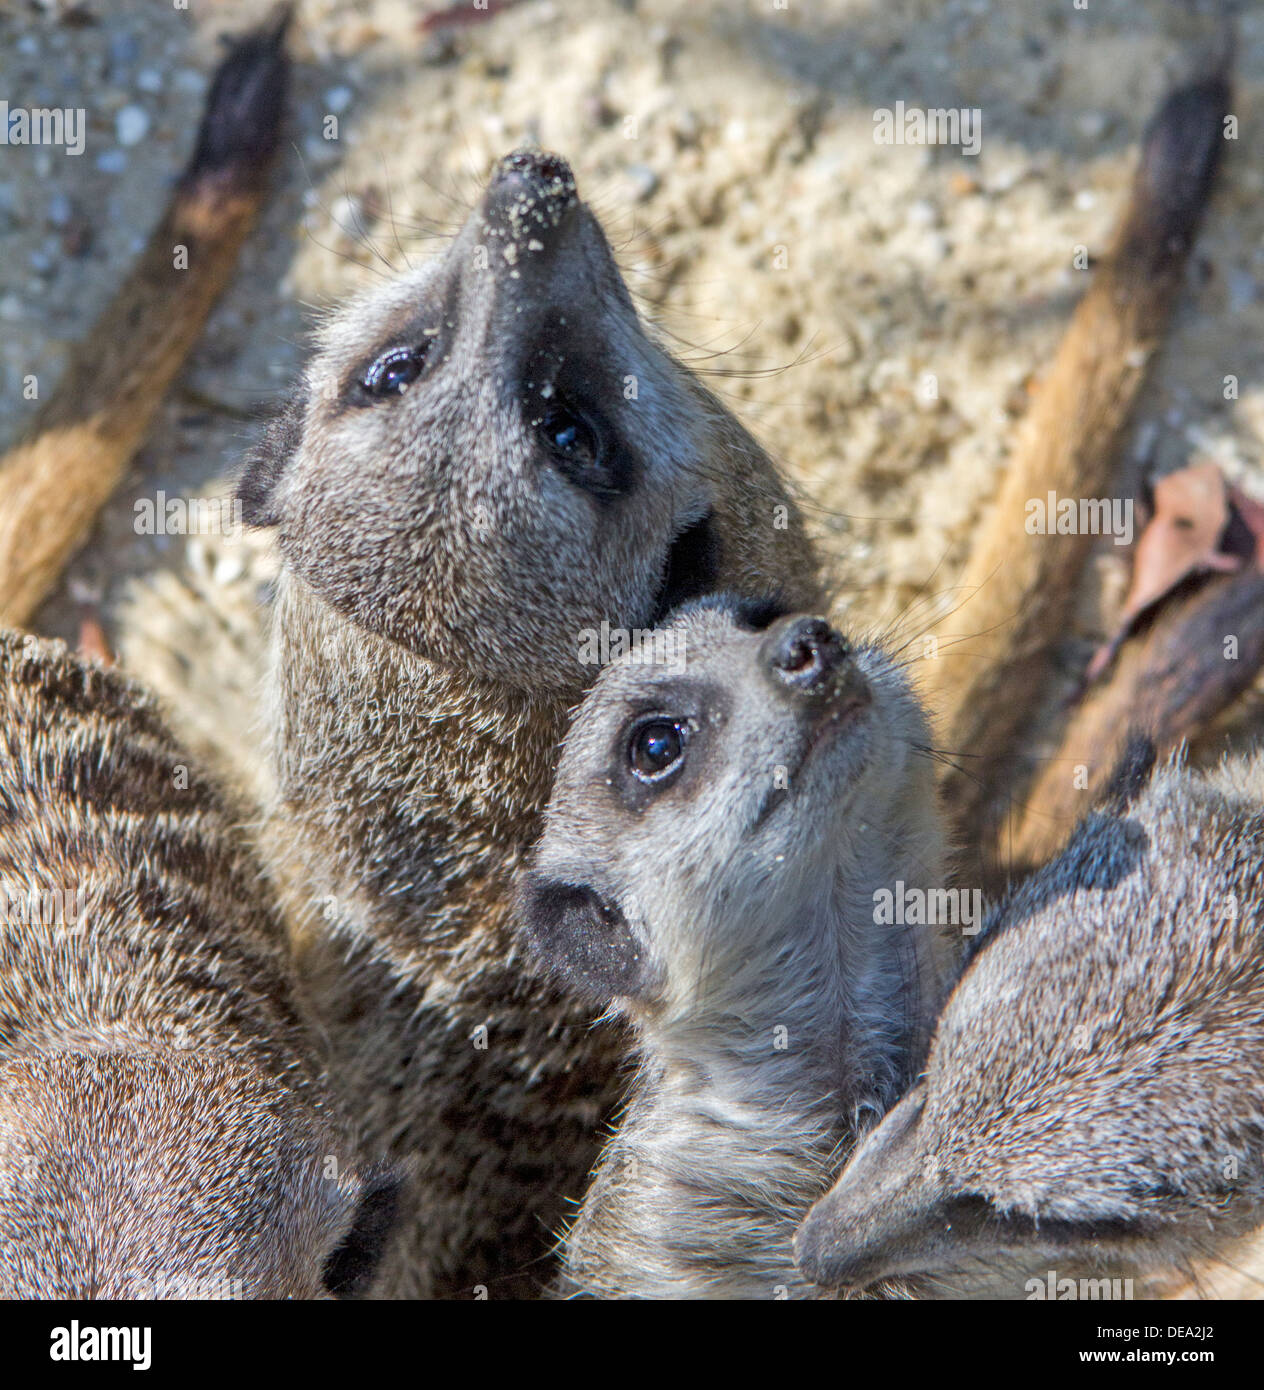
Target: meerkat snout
x,y
891,1200
807,656
805,652
530,194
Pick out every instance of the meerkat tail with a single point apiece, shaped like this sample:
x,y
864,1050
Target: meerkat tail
x,y
59,474
1019,588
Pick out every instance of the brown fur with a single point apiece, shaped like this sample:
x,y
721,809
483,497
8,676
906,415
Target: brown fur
x,y
1092,1101
164,1126
426,652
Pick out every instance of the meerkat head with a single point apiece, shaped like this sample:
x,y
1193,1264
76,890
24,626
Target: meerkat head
x,y
176,1175
490,455
1092,1091
729,776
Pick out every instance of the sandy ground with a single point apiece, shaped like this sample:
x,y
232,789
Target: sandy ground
x,y
822,277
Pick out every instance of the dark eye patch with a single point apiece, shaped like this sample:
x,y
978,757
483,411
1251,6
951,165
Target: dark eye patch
x,y
560,388
579,445
695,710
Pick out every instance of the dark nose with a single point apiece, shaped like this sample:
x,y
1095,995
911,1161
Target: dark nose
x,y
815,1253
805,652
530,195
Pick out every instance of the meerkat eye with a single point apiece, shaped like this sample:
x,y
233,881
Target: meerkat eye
x,y
657,749
395,371
569,438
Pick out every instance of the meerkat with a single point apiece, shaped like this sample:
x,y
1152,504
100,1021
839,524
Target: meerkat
x,y
165,1129
489,465
1093,1099
719,834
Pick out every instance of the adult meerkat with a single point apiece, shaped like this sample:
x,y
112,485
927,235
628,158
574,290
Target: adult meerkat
x,y
488,459
718,836
164,1125
1093,1095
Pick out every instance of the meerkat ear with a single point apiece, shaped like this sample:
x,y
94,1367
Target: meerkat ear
x,y
264,465
352,1265
583,939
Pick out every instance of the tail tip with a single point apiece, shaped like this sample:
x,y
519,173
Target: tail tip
x,y
241,124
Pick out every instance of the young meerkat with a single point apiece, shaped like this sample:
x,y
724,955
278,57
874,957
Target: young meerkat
x,y
488,459
165,1129
1093,1096
719,833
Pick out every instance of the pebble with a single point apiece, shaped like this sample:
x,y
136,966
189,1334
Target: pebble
x,y
441,47
1093,124
318,150
337,99
687,128
60,210
347,214
149,80
28,46
1085,199
1005,178
111,162
962,184
229,567
1242,290
124,48
131,125
644,181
